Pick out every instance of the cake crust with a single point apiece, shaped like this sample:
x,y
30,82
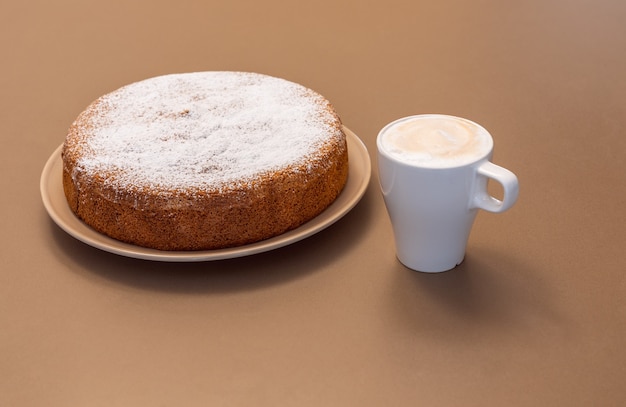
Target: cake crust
x,y
125,175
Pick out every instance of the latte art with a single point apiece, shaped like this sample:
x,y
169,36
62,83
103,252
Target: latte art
x,y
435,141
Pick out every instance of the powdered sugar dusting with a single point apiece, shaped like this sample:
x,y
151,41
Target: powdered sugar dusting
x,y
202,130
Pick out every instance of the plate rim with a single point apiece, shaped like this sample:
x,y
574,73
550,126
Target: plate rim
x,y
359,175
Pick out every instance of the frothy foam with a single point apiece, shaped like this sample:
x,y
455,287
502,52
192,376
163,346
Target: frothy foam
x,y
435,141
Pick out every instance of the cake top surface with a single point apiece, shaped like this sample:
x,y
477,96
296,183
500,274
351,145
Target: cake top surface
x,y
203,130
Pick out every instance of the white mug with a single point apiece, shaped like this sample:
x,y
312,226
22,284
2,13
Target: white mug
x,y
433,172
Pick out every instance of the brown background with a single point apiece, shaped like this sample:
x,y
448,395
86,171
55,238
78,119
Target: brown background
x,y
535,316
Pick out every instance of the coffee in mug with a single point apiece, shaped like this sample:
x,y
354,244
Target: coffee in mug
x,y
433,172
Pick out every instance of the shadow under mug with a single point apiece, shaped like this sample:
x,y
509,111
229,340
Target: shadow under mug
x,y
432,209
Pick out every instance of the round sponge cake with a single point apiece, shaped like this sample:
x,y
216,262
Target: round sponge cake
x,y
204,160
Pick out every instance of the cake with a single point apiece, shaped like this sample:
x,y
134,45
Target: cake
x,y
204,160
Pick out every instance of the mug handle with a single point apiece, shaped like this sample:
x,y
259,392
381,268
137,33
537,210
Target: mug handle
x,y
506,178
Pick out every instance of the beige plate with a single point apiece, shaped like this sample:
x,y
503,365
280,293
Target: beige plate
x,y
54,200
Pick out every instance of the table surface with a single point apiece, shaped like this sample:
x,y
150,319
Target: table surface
x,y
535,316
